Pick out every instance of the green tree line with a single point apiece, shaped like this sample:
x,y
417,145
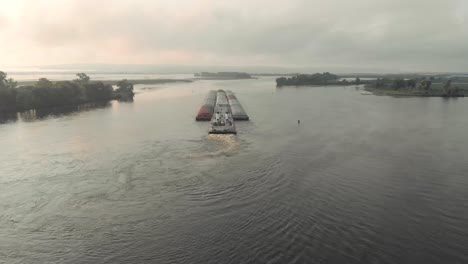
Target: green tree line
x,y
325,78
45,93
423,86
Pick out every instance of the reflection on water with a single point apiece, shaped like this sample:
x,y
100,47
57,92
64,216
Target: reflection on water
x,y
8,117
363,179
37,114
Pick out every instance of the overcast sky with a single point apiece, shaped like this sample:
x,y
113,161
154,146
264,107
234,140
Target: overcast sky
x,y
412,35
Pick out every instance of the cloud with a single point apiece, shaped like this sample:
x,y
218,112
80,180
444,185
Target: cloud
x,y
399,34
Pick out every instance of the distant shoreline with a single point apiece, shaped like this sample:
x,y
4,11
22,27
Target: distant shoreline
x,y
133,81
410,93
222,78
222,75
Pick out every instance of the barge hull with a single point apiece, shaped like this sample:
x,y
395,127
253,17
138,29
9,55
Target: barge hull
x,y
238,112
207,109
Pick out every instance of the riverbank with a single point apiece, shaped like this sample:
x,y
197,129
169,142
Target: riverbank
x,y
317,79
409,93
48,94
412,88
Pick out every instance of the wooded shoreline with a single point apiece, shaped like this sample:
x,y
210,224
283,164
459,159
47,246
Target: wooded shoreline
x,y
46,94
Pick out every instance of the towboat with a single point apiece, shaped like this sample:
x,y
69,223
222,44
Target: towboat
x,y
222,123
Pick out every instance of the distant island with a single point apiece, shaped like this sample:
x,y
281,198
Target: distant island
x,y
45,93
133,81
223,75
274,74
325,78
424,86
388,84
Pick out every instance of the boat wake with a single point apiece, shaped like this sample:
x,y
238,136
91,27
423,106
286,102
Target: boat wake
x,y
219,145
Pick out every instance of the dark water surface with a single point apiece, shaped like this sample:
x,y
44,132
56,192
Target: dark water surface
x,y
363,179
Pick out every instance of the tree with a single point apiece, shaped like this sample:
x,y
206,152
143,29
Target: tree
x,y
410,83
358,81
44,82
10,83
308,79
124,86
450,91
7,100
98,91
379,83
447,87
7,93
398,83
125,89
3,77
5,82
281,81
73,93
82,78
425,85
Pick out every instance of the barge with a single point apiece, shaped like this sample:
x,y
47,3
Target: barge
x,y
238,112
207,109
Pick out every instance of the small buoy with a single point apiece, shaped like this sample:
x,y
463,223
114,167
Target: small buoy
x,y
298,122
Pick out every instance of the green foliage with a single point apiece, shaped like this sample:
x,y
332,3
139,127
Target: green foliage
x,y
5,82
411,83
82,78
392,84
425,85
450,91
43,82
7,93
98,91
45,93
398,84
3,76
124,90
224,75
124,86
420,86
7,99
379,83
11,83
308,79
448,87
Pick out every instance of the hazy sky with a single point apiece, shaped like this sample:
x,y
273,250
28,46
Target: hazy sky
x,y
391,34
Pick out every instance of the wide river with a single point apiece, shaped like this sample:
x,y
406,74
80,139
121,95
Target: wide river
x,y
362,179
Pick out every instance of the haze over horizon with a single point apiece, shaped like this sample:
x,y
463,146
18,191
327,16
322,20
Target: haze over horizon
x,y
361,35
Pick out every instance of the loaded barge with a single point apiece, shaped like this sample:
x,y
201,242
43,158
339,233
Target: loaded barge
x,y
238,112
206,110
221,108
